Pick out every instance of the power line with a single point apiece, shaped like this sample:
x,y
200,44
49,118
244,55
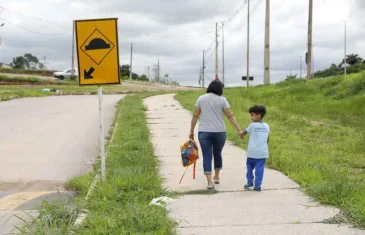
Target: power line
x,y
121,31
253,12
236,13
29,30
34,17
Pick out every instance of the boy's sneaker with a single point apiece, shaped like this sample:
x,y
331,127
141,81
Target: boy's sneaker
x,y
248,186
257,189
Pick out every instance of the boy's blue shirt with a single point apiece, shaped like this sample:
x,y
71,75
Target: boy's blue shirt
x,y
257,144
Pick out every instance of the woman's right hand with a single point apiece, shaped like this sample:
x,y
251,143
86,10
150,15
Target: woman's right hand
x,y
191,135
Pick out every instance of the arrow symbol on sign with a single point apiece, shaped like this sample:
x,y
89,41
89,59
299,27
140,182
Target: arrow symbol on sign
x,y
87,75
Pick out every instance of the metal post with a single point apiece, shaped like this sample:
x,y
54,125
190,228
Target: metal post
x,y
310,22
345,59
248,42
216,50
102,145
130,69
203,75
148,72
223,53
267,44
73,50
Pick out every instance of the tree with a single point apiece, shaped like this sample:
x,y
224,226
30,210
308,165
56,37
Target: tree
x,y
28,61
291,76
353,59
134,76
143,77
31,62
335,67
125,70
18,62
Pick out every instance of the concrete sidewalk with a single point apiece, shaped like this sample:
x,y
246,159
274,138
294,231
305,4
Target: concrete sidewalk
x,y
281,208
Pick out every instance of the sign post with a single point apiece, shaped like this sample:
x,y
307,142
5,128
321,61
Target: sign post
x,y
102,144
98,62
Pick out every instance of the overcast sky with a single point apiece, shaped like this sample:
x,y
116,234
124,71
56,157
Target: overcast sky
x,y
177,32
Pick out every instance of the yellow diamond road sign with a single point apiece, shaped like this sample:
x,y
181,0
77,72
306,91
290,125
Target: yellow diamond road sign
x,y
97,51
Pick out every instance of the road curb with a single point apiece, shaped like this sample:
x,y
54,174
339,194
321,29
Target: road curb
x,y
82,215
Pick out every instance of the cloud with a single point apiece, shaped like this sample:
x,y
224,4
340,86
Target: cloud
x,y
177,32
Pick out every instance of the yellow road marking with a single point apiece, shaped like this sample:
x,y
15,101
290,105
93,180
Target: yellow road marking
x,y
12,201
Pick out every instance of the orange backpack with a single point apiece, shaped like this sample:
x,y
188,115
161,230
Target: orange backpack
x,y
189,155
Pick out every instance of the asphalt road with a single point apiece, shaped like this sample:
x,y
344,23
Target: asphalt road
x,y
46,141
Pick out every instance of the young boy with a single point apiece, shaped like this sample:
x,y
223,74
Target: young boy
x,y
257,150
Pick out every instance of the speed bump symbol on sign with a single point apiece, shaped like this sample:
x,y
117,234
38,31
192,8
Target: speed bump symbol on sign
x,y
97,51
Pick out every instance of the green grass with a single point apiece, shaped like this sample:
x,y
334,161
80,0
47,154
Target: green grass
x,y
48,73
9,92
121,204
56,218
32,87
33,81
317,135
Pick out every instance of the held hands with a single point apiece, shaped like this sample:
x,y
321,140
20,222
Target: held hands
x,y
242,134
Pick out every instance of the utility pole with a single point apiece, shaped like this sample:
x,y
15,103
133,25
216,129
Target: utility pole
x,y
154,73
309,58
216,51
267,44
73,50
223,53
345,59
248,42
44,62
200,76
130,69
158,70
203,75
148,72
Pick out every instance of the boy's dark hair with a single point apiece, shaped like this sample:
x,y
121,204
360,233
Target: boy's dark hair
x,y
216,87
258,109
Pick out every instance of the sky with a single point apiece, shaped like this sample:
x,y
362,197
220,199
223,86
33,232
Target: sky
x,y
177,32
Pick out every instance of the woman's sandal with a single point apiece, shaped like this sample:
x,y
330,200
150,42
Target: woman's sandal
x,y
211,186
216,181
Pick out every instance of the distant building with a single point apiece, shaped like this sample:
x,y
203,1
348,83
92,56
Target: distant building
x,y
5,66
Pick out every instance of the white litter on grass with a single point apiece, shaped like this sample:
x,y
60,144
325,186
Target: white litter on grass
x,y
156,201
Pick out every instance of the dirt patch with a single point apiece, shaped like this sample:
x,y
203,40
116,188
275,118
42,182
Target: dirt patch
x,y
317,123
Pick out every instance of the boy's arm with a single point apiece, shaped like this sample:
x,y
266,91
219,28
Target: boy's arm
x,y
243,133
268,137
246,131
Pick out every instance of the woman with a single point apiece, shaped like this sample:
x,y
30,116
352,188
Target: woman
x,y
212,130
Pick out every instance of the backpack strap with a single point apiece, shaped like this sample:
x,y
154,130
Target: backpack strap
x,y
194,170
182,177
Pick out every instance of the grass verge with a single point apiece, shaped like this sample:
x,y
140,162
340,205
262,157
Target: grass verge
x,y
6,80
317,135
121,204
56,218
9,92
